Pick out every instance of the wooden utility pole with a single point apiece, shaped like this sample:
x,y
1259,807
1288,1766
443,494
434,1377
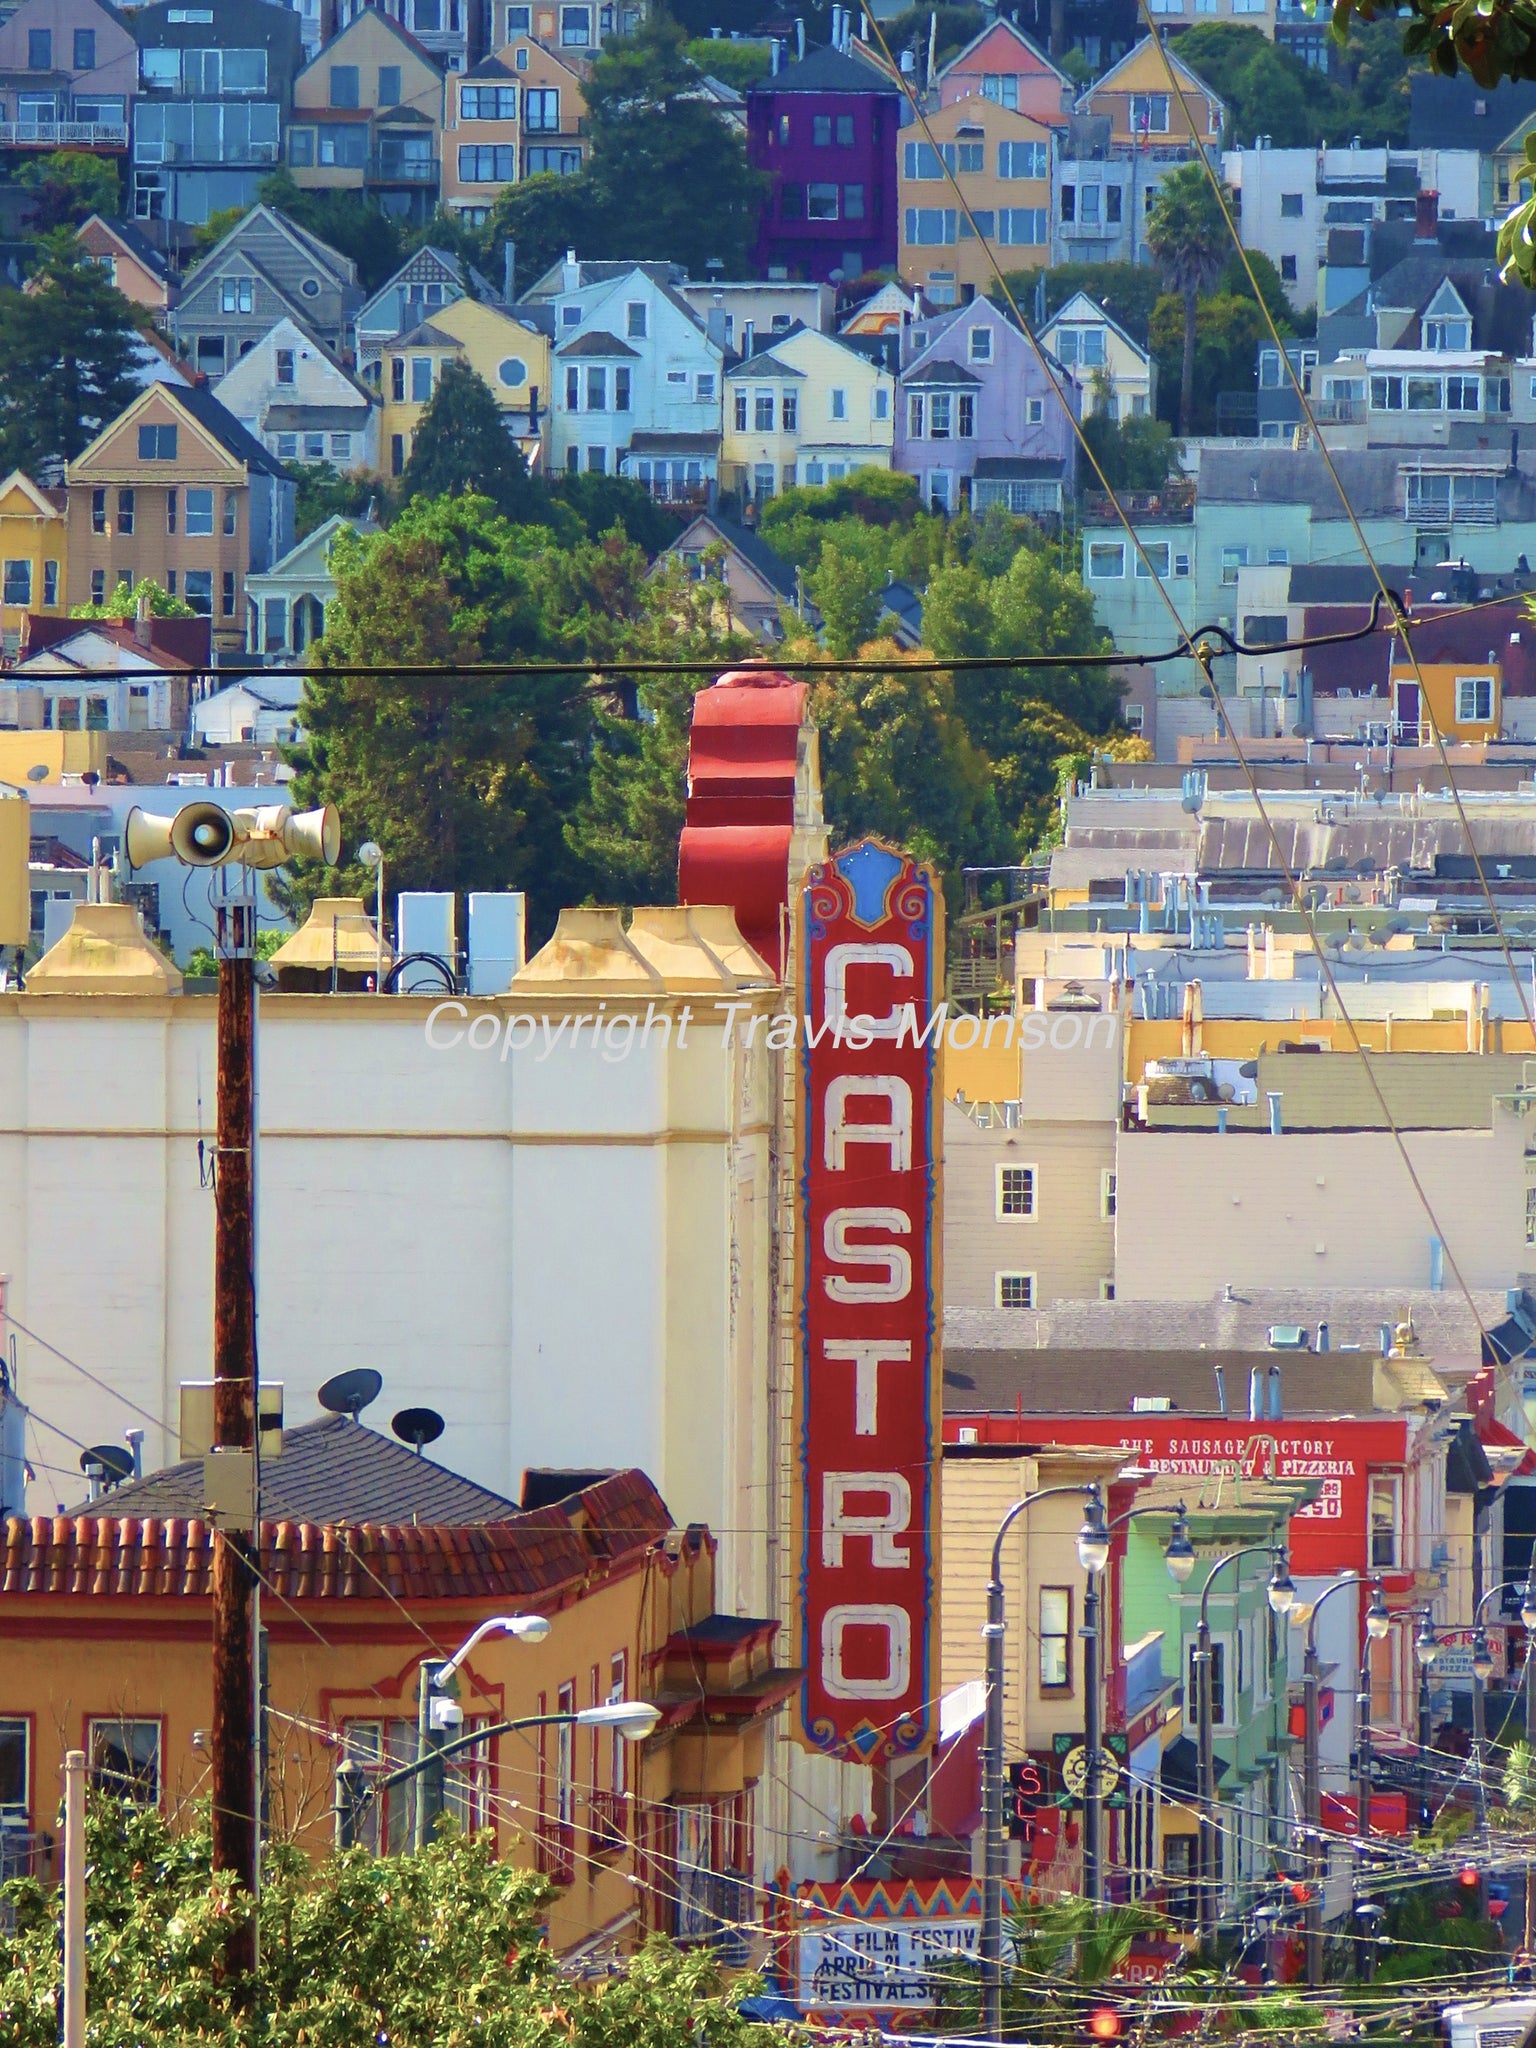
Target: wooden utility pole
x,y
236,1804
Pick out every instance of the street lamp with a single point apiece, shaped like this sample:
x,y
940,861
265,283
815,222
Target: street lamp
x,y
1282,1595
990,1947
1311,1779
1378,1623
438,1713
1426,1648
634,1720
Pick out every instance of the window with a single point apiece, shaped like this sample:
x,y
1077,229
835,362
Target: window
x,y
1386,394
1088,206
853,202
1069,202
237,294
1474,700
1530,1214
1015,1290
98,586
519,22
421,379
1034,411
1218,1682
575,28
389,85
50,583
125,1759
99,509
157,444
1015,1191
541,110
1106,560
1463,394
979,346
789,411
125,511
287,447
488,103
341,447
1233,559
597,389
939,416
15,1764
285,366
1114,201
85,49
1288,269
821,131
762,412
704,387
1386,1504
1055,1638
965,411
1290,206
1021,159
17,587
229,594
621,388
839,405
1107,1177
397,454
1021,227
487,163
1440,335
232,503
39,49
1152,560
821,202
881,403
344,86
929,226
199,512
1149,113
844,127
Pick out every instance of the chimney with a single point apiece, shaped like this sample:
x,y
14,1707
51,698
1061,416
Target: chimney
x,y
533,408
1276,1404
1275,1126
1436,1265
143,631
714,325
775,52
1426,217
134,1438
1256,1394
1221,1391
1322,1337
509,273
570,272
1384,1339
800,38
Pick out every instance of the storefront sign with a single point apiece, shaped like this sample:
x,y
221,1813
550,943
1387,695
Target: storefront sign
x,y
871,965
889,1945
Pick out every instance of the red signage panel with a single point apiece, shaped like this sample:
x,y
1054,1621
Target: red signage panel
x,y
871,968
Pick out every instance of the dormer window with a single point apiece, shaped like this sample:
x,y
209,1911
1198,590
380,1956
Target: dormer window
x,y
1441,334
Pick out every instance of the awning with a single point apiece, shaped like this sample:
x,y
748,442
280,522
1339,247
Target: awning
x,y
1181,1767
1510,1456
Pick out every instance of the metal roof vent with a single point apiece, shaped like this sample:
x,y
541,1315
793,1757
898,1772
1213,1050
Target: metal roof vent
x,y
1288,1337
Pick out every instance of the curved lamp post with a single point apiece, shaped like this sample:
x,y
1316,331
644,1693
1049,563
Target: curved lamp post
x,y
1311,1779
1282,1595
1482,1671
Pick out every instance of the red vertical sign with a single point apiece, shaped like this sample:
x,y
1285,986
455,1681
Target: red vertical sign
x,y
871,957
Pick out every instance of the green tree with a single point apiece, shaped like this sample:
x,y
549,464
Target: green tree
x,y
350,222
1234,283
950,27
1189,238
1228,332
1267,91
603,502
71,185
845,589
123,603
1135,454
444,1948
461,444
323,491
68,346
790,522
542,217
464,780
1126,291
739,63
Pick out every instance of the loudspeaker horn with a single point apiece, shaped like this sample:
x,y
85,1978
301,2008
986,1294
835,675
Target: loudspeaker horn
x,y
274,834
147,838
204,836
314,835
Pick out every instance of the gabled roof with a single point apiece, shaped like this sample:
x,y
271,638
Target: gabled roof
x,y
215,420
1458,113
132,238
602,270
464,275
597,342
941,370
49,504
342,268
826,70
316,543
1037,56
310,340
1188,78
424,336
778,574
376,14
1091,310
764,363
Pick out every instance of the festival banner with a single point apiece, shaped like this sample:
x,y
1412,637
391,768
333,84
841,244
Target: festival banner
x,y
871,960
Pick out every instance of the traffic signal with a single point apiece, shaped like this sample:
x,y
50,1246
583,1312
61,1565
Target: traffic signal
x,y
1468,1876
1104,2025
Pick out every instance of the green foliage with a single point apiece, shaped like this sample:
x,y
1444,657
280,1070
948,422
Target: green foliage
x,y
1077,67
71,185
604,502
464,783
871,497
439,1950
68,347
203,964
847,595
323,491
1126,291
739,63
209,233
1190,241
1134,454
1228,332
667,178
1269,92
1492,39
1234,282
461,444
1423,1944
123,602
956,27
1058,1944
347,220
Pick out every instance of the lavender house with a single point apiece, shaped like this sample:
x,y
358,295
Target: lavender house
x,y
979,418
825,131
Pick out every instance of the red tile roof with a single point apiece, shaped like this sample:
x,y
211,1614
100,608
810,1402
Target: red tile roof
x,y
85,1556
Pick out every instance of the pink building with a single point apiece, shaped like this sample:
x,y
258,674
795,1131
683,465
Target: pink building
x,y
1002,64
68,72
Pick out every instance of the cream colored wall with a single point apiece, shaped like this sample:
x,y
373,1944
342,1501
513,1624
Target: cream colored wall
x,y
1315,1209
1068,1244
554,1251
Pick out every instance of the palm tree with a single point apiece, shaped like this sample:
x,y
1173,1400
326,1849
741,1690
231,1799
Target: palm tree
x,y
1188,234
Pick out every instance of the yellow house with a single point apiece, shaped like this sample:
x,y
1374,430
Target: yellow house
x,y
1463,700
1001,160
1145,108
511,357
805,411
368,117
519,114
1114,375
32,554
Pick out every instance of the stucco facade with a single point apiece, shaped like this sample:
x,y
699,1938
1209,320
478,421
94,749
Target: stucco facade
x,y
1001,162
825,132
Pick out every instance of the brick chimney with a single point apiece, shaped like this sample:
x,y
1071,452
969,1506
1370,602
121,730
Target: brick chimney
x,y
1426,217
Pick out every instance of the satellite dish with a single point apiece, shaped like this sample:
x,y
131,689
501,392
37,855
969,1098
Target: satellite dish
x,y
418,1426
350,1392
40,773
116,1463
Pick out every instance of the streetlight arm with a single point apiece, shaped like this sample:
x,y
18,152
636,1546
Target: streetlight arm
x,y
1508,1585
1045,1493
582,1718
1338,1586
1247,1550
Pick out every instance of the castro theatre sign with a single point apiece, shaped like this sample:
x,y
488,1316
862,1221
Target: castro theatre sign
x,y
871,956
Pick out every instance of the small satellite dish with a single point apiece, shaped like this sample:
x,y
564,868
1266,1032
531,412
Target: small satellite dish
x,y
116,1463
90,778
350,1392
39,773
418,1426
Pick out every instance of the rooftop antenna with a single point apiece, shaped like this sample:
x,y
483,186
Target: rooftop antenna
x,y
349,1393
105,1466
418,1426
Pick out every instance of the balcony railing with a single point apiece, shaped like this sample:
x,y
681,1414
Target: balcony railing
x,y
1436,513
394,170
610,1823
1174,501
63,134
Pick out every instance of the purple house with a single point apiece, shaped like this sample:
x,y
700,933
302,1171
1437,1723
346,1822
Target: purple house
x,y
825,132
978,417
